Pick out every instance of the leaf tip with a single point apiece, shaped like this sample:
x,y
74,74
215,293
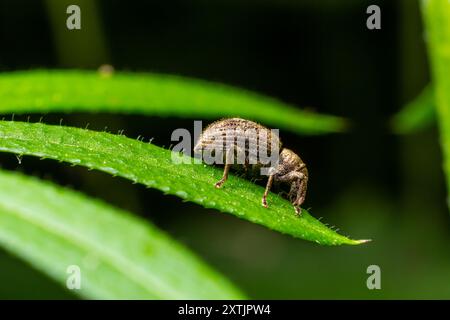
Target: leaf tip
x,y
363,241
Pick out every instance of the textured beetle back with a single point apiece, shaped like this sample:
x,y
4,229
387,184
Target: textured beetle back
x,y
241,135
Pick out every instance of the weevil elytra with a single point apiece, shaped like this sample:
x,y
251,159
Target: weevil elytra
x,y
223,138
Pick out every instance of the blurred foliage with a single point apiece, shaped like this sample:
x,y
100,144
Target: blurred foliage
x,y
416,115
437,18
150,94
118,255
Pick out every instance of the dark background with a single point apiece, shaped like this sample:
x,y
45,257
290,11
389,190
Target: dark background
x,y
314,54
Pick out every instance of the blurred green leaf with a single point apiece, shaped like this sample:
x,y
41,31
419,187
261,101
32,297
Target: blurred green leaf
x,y
437,21
119,255
417,114
151,94
153,166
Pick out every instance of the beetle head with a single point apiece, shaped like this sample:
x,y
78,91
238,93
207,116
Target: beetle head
x,y
292,170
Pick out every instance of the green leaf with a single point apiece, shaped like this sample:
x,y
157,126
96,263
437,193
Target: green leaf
x,y
417,114
151,94
437,21
153,166
118,255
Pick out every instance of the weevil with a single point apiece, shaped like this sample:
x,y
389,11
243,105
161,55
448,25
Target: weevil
x,y
222,136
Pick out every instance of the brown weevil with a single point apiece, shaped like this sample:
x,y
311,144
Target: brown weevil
x,y
222,139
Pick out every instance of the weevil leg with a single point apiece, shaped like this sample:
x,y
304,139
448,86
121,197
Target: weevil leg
x,y
224,177
229,160
300,198
266,192
246,166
